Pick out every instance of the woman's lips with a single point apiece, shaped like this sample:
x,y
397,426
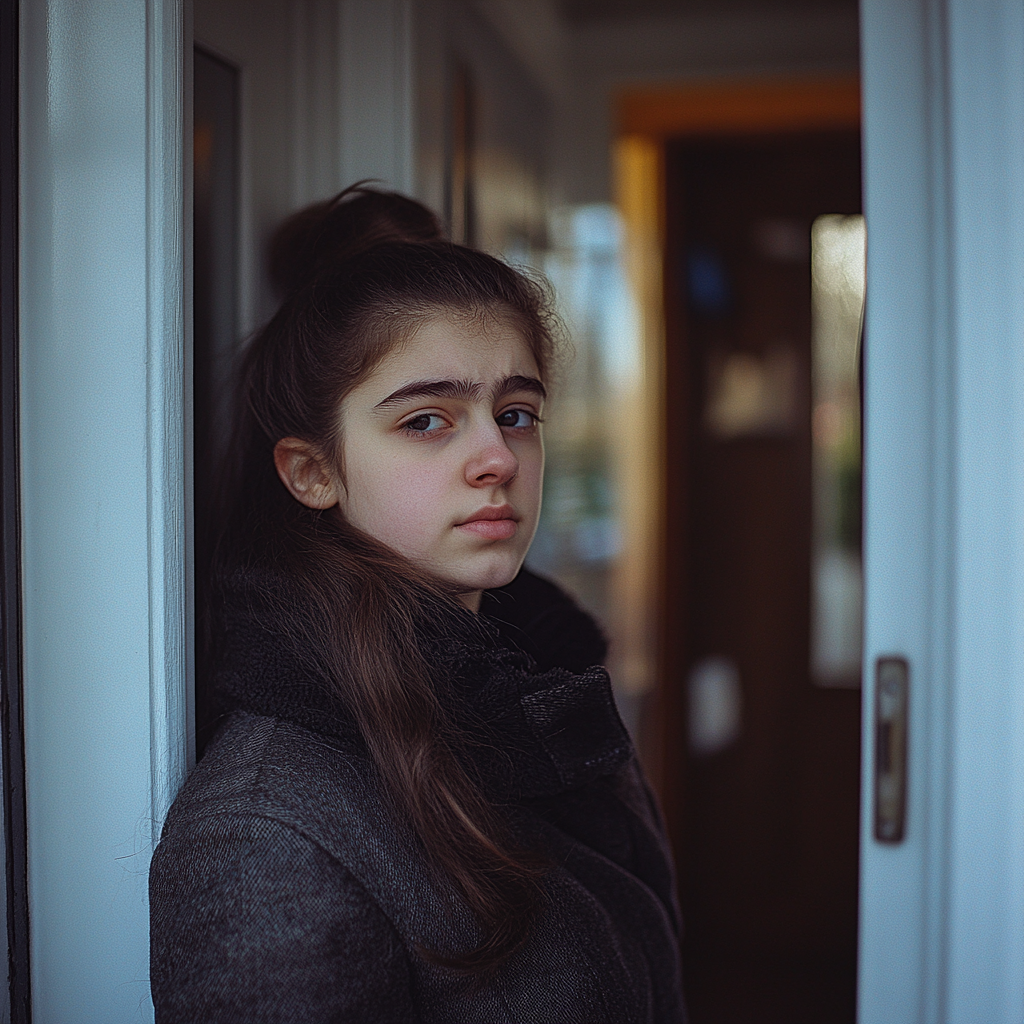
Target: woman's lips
x,y
498,522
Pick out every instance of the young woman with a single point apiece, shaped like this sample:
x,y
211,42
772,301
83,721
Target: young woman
x,y
420,804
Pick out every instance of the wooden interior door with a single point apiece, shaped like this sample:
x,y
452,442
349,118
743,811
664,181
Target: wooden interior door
x,y
765,816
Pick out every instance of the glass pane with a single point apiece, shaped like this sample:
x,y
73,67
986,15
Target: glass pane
x,y
837,288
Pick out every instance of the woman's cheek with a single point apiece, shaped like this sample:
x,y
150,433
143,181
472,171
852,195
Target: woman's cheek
x,y
410,510
531,474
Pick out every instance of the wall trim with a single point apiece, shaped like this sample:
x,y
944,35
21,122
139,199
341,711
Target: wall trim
x,y
736,106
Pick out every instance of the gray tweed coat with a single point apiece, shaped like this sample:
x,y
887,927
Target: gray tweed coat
x,y
284,890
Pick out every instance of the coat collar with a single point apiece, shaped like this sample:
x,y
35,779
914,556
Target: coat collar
x,y
525,732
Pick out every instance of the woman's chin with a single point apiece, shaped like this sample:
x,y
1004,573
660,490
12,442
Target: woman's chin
x,y
496,574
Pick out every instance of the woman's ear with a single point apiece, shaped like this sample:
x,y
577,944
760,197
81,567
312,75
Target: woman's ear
x,y
302,471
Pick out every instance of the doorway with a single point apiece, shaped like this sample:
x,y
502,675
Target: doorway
x,y
761,762
216,174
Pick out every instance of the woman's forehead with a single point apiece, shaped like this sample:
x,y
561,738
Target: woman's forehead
x,y
476,350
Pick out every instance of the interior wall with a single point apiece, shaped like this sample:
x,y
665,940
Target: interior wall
x,y
337,90
607,56
512,117
600,57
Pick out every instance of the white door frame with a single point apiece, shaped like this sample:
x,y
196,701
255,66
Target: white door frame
x,y
104,511
942,913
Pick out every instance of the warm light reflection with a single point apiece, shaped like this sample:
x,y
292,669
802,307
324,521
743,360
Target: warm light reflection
x,y
837,283
600,522
639,450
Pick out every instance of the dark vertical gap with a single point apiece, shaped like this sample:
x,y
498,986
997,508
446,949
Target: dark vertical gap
x,y
469,117
11,728
460,130
668,710
215,323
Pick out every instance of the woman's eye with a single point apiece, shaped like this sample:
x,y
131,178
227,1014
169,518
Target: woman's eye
x,y
425,423
519,418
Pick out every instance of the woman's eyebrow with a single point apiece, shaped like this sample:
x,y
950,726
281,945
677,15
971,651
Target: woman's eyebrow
x,y
517,382
464,389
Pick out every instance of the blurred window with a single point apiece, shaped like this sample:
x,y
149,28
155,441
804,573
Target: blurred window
x,y
837,289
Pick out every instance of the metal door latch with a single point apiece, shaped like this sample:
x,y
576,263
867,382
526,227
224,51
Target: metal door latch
x,y
892,679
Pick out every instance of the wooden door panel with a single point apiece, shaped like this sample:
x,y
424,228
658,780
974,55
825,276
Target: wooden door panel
x,y
766,828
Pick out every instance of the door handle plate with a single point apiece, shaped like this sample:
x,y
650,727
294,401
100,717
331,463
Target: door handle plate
x,y
892,686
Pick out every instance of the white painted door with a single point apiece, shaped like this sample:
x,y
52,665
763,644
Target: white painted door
x,y
104,513
942,912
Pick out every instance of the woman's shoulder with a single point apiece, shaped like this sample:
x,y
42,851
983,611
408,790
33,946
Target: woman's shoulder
x,y
256,910
265,784
259,767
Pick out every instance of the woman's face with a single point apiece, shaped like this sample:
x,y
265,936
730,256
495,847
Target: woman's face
x,y
442,452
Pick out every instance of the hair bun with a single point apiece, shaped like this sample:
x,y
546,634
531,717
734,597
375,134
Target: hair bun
x,y
354,221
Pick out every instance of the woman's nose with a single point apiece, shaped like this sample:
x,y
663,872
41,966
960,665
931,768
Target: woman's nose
x,y
493,462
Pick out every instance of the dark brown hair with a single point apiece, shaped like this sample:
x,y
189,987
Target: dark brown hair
x,y
357,607
328,233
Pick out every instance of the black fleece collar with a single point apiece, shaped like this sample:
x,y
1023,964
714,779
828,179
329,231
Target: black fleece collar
x,y
535,720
